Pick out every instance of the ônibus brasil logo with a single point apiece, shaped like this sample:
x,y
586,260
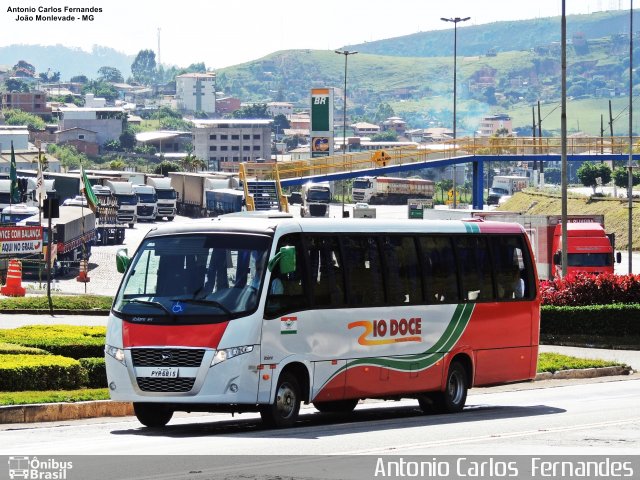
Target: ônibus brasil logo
x,y
384,332
35,469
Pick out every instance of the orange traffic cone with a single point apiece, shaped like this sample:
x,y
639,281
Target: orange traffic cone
x,y
14,287
83,275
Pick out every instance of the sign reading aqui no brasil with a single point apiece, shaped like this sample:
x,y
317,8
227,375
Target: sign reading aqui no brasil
x,y
17,240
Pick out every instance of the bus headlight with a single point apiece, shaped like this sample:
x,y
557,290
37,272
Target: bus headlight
x,y
227,353
116,353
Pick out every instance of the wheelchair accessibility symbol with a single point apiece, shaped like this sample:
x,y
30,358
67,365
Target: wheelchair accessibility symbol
x,y
177,308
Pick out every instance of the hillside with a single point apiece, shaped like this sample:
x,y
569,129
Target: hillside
x,y
615,211
68,61
502,67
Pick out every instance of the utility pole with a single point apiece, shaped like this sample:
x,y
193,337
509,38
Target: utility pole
x,y
535,150
630,165
541,150
563,129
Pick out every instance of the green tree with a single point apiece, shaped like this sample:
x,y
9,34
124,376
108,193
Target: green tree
x,y
384,111
101,89
164,167
69,157
388,136
588,173
280,123
191,163
621,178
127,140
79,79
257,110
15,85
110,74
143,67
18,117
117,164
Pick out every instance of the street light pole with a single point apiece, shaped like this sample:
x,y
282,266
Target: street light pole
x,y
455,22
346,54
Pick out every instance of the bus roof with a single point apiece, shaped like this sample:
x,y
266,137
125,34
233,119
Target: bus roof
x,y
268,225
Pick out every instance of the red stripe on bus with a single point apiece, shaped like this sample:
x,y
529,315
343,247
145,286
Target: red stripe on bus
x,y
140,335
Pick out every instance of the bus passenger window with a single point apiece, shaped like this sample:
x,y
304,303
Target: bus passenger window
x,y
475,268
402,270
440,272
327,276
511,273
364,274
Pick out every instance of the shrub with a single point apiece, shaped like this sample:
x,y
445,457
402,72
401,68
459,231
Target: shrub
x,y
587,289
617,320
96,372
83,303
67,340
40,372
12,349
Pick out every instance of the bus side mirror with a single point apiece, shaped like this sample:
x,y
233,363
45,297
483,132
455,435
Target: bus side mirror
x,y
122,260
618,257
557,258
286,257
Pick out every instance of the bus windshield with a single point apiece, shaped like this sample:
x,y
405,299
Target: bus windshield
x,y
213,276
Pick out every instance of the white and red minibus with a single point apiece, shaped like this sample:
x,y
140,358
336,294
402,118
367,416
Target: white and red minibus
x,y
238,314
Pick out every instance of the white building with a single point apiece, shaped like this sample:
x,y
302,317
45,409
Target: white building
x,y
195,92
19,137
223,144
91,101
280,108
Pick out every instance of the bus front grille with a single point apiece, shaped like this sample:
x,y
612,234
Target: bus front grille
x,y
166,357
147,384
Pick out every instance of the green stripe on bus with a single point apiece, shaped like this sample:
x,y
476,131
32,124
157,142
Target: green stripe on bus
x,y
435,353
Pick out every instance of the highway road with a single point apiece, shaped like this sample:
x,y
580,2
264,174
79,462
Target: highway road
x,y
587,417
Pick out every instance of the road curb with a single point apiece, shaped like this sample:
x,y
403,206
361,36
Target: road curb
x,y
52,412
584,373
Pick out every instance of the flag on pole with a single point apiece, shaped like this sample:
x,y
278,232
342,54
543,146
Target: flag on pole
x,y
41,191
13,176
87,191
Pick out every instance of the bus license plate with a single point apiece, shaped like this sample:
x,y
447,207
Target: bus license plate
x,y
164,373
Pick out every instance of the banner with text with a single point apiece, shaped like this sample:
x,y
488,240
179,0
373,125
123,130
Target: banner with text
x,y
19,240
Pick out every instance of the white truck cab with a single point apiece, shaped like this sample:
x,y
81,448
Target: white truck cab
x,y
147,202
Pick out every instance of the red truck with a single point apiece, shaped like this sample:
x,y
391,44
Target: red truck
x,y
589,248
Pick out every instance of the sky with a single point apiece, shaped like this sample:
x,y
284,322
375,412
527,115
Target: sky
x,y
230,32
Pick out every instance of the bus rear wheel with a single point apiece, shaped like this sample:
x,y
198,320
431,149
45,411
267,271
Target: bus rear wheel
x,y
283,412
152,415
454,397
337,406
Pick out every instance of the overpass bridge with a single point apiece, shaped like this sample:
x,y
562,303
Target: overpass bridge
x,y
476,151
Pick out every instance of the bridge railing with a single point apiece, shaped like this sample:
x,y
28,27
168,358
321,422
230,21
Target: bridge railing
x,y
354,161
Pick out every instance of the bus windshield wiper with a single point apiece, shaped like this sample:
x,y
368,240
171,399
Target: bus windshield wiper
x,y
152,304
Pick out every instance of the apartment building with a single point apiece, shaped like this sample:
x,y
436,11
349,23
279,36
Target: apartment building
x,y
223,144
196,92
32,102
491,124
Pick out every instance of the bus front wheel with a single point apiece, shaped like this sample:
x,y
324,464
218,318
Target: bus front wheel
x,y
283,412
152,415
454,397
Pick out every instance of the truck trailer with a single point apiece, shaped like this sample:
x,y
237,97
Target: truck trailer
x,y
192,191
390,190
74,233
589,248
505,186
